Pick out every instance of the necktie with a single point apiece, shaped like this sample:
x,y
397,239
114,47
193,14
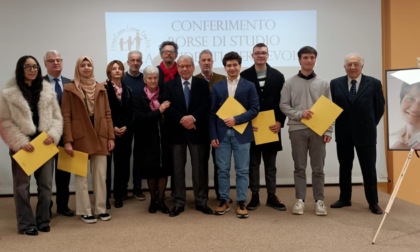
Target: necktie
x,y
352,93
58,90
187,93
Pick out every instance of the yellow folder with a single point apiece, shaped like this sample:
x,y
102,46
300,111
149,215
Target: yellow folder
x,y
263,121
32,161
324,114
231,107
78,164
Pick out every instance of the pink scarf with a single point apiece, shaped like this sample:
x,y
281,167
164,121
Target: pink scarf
x,y
118,91
153,97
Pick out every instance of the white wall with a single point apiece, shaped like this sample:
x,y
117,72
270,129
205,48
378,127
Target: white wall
x,y
78,28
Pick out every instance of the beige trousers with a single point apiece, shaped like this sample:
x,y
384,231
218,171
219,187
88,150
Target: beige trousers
x,y
98,170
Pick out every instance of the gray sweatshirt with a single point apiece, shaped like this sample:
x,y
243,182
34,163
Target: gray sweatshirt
x,y
299,94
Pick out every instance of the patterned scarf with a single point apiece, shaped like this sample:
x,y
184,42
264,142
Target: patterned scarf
x,y
153,97
118,91
169,74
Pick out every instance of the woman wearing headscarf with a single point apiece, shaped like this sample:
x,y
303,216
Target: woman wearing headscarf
x,y
88,128
28,106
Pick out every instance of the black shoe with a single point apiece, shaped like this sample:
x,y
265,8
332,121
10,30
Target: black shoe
x,y
340,204
118,203
108,204
153,207
163,208
273,201
204,209
375,209
175,211
66,212
44,229
138,194
29,231
254,203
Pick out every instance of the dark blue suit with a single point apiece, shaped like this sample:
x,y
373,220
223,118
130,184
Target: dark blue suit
x,y
355,128
62,178
231,141
195,139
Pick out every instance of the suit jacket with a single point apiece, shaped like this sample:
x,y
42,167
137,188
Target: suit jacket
x,y
64,80
78,128
269,99
246,94
198,108
357,123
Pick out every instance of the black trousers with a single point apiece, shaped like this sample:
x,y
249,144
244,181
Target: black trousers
x,y
121,157
367,160
62,181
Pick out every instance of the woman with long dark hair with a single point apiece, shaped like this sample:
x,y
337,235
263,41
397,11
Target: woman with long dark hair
x,y
28,106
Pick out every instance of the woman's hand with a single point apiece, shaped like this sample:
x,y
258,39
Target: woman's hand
x,y
111,144
49,140
68,148
28,147
164,106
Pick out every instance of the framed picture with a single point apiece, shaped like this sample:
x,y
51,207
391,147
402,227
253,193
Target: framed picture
x,y
403,108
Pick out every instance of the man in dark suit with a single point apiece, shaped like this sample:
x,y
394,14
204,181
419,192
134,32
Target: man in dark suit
x,y
188,120
226,139
362,101
268,82
54,64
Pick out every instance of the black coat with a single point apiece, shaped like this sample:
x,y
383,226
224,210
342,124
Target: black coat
x,y
269,99
122,112
153,150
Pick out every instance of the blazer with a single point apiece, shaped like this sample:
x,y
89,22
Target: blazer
x,y
199,108
269,99
246,94
357,123
78,127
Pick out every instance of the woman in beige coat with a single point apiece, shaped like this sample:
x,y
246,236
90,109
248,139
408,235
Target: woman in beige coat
x,y
88,128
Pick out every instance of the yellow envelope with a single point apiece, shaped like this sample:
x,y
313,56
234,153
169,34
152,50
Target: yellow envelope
x,y
78,164
325,113
31,161
263,121
231,107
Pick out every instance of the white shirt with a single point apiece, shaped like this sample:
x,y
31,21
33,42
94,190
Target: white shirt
x,y
232,85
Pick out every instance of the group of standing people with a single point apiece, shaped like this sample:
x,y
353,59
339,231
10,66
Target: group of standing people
x,y
167,110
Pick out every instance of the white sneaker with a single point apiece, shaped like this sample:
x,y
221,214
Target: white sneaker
x,y
299,207
320,208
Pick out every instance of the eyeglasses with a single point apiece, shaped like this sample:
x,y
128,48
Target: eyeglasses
x,y
28,67
55,60
261,53
184,66
168,51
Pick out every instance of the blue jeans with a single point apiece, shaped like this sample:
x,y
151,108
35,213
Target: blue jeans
x,y
241,157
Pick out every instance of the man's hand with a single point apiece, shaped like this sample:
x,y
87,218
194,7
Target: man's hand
x,y
230,122
307,114
327,139
276,127
188,122
215,143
